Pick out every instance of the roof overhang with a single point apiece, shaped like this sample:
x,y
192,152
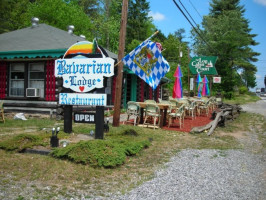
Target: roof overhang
x,y
44,53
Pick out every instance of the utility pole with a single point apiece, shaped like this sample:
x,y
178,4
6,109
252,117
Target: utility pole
x,y
118,87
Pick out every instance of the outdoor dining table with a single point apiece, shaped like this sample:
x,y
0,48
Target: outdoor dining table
x,y
163,112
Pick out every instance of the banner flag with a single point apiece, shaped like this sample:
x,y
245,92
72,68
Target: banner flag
x,y
147,62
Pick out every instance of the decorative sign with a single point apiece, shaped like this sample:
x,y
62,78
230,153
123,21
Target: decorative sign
x,y
203,65
81,117
78,99
217,79
83,75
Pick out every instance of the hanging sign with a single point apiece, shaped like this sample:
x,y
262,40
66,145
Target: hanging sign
x,y
217,79
83,75
204,65
78,99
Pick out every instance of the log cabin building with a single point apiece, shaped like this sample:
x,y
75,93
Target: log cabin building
x,y
27,81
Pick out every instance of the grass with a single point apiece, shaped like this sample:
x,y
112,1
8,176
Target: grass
x,y
243,99
68,179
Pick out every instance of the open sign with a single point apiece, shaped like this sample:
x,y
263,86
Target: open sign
x,y
81,117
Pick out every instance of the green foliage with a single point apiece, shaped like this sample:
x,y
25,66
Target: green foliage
x,y
101,153
60,14
138,22
130,132
21,142
243,90
228,36
13,14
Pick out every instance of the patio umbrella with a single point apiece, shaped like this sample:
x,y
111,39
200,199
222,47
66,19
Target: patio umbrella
x,y
177,90
199,85
205,89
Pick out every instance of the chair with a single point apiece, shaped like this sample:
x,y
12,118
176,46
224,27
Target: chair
x,y
205,106
133,109
191,108
170,107
149,101
152,113
2,111
178,114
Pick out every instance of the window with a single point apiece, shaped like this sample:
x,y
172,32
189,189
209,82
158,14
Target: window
x,y
23,75
17,76
36,77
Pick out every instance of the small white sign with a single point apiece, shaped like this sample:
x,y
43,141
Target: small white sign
x,y
79,99
191,84
83,75
217,79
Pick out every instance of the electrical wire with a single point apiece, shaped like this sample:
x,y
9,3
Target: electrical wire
x,y
203,39
188,13
195,9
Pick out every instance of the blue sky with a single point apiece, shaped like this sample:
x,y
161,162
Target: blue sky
x,y
168,19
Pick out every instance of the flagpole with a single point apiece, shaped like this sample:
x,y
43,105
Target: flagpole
x,y
155,33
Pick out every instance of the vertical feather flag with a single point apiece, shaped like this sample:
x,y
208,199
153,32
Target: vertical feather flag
x,y
147,62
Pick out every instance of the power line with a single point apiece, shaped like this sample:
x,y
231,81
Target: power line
x,y
188,13
195,9
193,26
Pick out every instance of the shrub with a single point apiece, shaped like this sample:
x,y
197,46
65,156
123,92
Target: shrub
x,y
243,90
21,142
101,153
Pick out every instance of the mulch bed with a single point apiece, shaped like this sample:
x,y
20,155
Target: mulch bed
x,y
189,123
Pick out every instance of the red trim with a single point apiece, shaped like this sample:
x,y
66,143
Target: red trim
x,y
50,81
3,71
141,90
150,93
158,92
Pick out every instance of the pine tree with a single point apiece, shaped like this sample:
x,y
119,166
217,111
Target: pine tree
x,y
229,37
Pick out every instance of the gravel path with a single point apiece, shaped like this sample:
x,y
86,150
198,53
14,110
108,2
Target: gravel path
x,y
206,174
210,174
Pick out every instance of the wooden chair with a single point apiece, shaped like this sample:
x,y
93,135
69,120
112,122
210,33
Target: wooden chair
x,y
2,111
178,114
133,109
152,113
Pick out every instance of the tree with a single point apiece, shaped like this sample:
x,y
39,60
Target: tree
x,y
173,46
227,35
60,14
13,14
138,21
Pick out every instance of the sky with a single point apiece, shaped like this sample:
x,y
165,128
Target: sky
x,y
167,18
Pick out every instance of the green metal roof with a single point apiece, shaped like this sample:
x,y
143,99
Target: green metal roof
x,y
45,53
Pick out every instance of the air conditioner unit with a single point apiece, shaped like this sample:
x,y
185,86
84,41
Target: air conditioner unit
x,y
32,92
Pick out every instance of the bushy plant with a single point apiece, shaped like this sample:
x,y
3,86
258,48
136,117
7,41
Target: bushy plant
x,y
102,153
243,90
95,153
21,142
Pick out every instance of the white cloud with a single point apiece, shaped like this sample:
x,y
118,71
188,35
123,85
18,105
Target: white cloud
x,y
157,16
262,2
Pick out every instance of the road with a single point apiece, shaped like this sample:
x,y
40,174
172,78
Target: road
x,y
257,107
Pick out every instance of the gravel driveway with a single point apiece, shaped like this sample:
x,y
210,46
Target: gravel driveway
x,y
210,174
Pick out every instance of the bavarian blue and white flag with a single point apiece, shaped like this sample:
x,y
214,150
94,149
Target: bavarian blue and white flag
x,y
147,62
